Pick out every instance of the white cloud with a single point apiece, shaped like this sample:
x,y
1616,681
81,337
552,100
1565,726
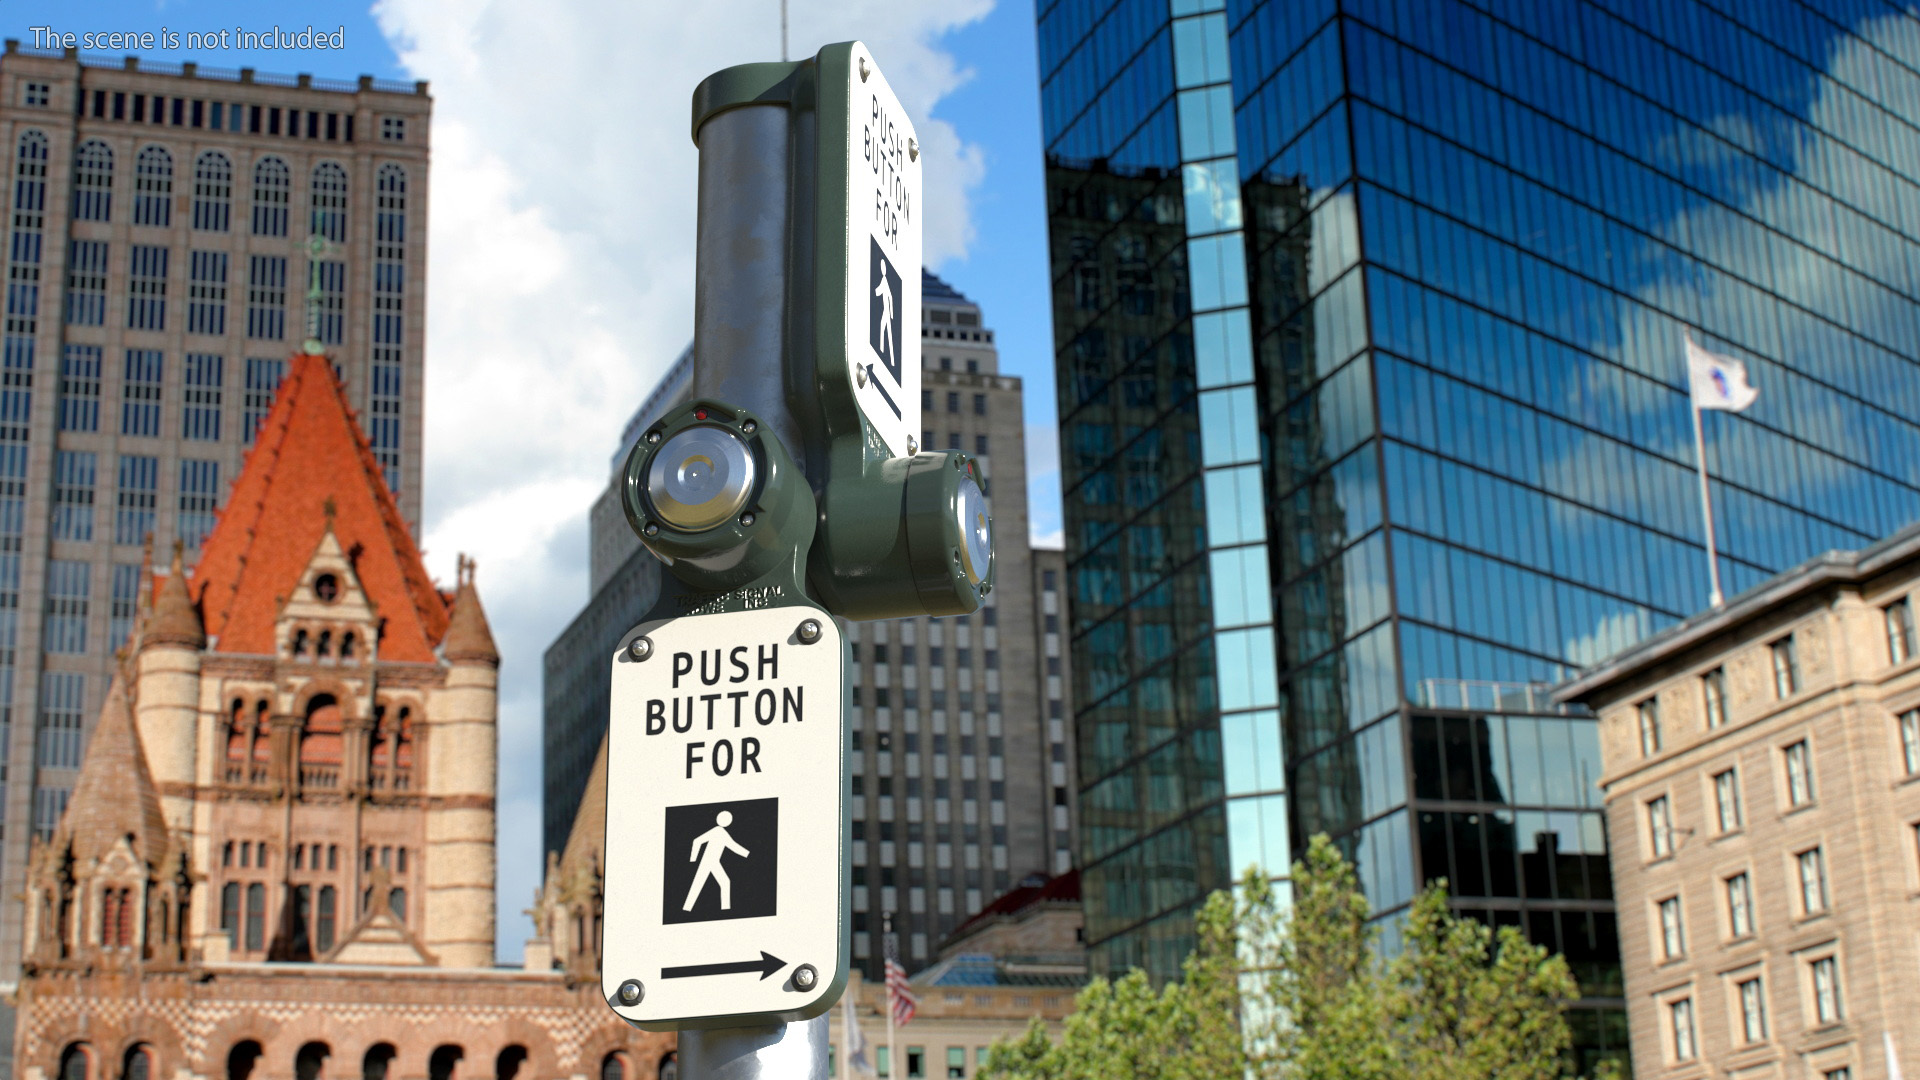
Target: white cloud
x,y
561,281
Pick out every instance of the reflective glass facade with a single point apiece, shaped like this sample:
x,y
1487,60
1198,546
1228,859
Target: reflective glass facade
x,y
1368,320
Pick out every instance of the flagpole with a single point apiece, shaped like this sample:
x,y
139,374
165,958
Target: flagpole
x,y
893,1052
1706,506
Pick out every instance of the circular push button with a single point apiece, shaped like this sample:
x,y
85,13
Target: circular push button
x,y
700,478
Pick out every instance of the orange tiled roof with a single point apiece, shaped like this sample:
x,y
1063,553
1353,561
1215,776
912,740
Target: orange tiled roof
x,y
309,460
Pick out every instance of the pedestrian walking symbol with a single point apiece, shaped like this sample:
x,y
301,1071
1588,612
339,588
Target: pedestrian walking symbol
x,y
884,335
721,860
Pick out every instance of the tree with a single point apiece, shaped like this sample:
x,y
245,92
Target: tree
x,y
1303,994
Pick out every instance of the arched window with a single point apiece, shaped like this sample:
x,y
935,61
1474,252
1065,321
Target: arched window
x,y
669,1066
138,1064
390,223
346,646
30,183
256,917
230,910
330,202
212,191
379,1059
76,1062
153,187
613,1066
312,1058
241,1060
272,188
299,643
444,1063
93,182
397,900
116,918
508,1064
325,648
322,742
323,920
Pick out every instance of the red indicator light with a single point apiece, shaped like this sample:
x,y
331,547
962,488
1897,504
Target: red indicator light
x,y
699,414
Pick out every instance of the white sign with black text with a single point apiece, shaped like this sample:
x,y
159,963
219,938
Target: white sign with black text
x,y
883,255
725,801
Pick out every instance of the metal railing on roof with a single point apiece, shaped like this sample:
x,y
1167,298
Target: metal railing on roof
x,y
232,75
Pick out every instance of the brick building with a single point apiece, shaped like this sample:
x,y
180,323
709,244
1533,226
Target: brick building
x,y
1762,784
279,856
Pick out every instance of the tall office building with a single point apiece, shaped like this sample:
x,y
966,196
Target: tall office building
x,y
961,770
1368,321
166,225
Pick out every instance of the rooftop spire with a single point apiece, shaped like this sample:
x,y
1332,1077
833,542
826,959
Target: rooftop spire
x,y
469,638
174,620
114,796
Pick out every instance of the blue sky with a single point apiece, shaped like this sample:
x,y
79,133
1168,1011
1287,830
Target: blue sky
x,y
561,248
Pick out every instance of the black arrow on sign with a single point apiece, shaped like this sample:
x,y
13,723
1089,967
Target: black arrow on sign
x,y
766,965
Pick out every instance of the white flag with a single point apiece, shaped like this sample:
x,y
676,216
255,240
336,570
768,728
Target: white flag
x,y
1893,1059
854,1042
1717,382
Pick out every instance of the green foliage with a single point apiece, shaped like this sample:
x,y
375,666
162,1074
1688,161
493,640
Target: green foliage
x,y
1274,992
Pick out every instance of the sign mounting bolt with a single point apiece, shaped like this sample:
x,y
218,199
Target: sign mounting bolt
x,y
865,70
653,437
913,149
631,991
860,376
805,977
746,519
913,445
652,529
749,427
639,649
809,631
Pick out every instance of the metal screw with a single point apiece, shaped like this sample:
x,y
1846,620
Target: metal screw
x,y
653,436
913,445
860,375
640,648
652,529
913,149
631,992
864,69
749,427
746,519
804,977
809,630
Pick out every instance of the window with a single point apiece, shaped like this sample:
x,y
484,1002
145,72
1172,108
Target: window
x,y
212,191
1672,940
1826,991
139,494
153,187
1726,797
916,1062
272,184
1799,774
267,297
1713,688
1899,617
1813,881
953,402
87,283
201,417
956,1061
207,293
147,288
140,399
125,600
1910,741
93,182
1753,1011
323,923
263,379
979,446
1660,826
73,479
36,95
329,217
1649,712
393,129
256,916
1740,905
1841,1073
199,493
979,404
1786,668
80,388
63,701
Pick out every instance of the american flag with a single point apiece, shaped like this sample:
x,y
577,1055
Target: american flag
x,y
900,1000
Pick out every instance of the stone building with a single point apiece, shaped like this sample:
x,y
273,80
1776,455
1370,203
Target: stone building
x,y
279,855
1762,785
160,218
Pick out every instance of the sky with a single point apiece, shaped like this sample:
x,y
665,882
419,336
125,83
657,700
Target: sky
x,y
560,274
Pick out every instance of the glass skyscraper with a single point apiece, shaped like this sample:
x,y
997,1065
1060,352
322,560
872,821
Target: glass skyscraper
x,y
1369,320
